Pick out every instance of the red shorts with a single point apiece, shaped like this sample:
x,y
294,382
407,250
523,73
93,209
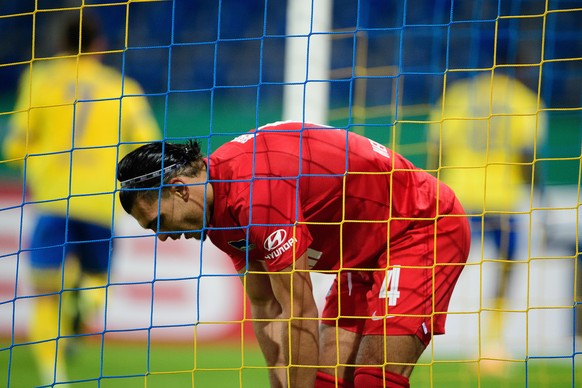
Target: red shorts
x,y
410,294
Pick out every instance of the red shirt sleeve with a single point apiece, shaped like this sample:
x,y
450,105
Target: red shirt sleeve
x,y
272,210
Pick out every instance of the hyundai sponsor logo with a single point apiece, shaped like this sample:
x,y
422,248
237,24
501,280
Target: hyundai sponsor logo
x,y
277,243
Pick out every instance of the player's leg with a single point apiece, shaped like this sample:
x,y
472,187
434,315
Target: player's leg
x,y
387,360
578,296
339,335
50,320
399,328
94,246
407,302
504,232
338,348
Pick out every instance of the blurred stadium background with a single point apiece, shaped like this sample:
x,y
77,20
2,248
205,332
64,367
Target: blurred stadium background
x,y
212,69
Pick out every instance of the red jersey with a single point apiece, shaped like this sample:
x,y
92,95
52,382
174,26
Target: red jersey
x,y
289,187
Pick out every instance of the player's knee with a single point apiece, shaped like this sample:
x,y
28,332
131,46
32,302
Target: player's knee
x,y
370,377
92,293
47,280
325,380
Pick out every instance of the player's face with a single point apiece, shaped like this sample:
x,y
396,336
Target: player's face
x,y
174,215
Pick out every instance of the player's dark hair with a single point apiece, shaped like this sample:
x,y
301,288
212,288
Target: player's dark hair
x,y
89,27
146,170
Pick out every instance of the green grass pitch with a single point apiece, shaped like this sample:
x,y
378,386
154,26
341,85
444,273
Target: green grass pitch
x,y
132,364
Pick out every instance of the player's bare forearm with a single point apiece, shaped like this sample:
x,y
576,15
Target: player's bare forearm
x,y
274,340
276,333
285,324
268,323
294,292
271,333
304,352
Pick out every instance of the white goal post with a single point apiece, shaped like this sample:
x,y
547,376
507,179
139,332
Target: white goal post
x,y
306,90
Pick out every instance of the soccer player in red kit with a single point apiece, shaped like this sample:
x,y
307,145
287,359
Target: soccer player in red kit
x,y
289,198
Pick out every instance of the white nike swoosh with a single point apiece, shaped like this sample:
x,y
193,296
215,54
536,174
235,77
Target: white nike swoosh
x,y
374,317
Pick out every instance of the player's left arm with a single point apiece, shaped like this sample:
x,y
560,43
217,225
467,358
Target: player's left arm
x,y
285,321
16,142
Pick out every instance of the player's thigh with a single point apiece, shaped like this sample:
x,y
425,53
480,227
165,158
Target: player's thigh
x,y
92,244
47,243
48,250
398,353
343,321
337,349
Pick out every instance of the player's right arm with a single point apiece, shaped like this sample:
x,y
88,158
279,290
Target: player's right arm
x,y
285,321
267,320
15,145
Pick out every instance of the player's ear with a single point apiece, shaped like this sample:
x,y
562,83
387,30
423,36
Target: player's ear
x,y
181,188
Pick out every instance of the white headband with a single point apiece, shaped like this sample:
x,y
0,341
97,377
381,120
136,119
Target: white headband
x,y
126,184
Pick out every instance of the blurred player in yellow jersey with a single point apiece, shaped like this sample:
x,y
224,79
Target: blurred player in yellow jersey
x,y
71,117
487,130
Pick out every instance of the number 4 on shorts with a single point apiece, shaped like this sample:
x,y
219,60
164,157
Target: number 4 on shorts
x,y
389,287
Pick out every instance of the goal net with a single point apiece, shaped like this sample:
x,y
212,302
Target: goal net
x,y
484,94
